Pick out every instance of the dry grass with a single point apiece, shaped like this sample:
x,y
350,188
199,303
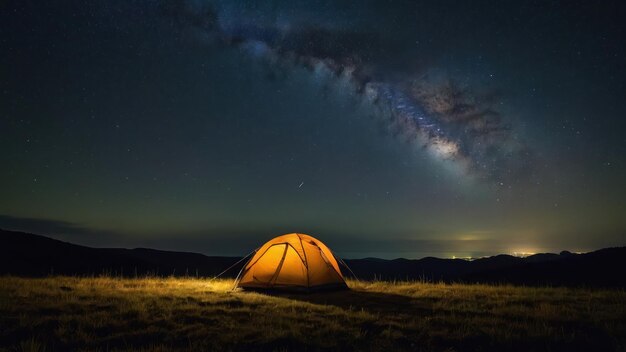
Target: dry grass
x,y
163,314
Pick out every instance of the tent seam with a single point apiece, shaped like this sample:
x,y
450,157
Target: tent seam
x,y
280,266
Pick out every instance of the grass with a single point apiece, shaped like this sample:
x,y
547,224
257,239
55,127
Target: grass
x,y
163,314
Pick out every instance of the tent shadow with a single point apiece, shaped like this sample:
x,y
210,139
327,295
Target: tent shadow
x,y
351,299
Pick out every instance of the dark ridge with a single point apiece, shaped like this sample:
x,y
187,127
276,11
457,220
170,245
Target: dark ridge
x,y
27,254
602,268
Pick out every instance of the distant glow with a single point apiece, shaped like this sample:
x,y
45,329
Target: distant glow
x,y
463,258
522,254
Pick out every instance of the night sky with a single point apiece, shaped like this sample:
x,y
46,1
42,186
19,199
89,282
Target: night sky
x,y
384,128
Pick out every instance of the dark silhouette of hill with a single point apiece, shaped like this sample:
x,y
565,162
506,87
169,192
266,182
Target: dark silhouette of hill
x,y
601,268
34,255
27,254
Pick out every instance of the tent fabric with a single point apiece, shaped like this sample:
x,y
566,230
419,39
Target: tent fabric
x,y
292,262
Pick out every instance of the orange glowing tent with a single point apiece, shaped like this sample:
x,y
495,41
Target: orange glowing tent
x,y
292,262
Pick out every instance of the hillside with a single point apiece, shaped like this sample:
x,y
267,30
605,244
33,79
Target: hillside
x,y
35,255
601,268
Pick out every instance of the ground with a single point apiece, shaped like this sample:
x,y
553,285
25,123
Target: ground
x,y
163,314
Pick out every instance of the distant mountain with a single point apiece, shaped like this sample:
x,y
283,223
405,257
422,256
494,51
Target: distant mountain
x,y
27,254
35,255
602,268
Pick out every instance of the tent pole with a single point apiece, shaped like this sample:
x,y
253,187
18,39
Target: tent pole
x,y
241,270
230,267
346,265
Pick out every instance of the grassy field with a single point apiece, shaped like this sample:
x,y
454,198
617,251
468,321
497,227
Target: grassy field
x,y
155,314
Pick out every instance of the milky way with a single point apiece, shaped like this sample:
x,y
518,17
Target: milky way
x,y
208,125
451,121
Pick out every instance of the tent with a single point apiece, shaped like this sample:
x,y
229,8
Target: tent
x,y
294,261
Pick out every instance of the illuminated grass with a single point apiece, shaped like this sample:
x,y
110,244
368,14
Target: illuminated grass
x,y
162,314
